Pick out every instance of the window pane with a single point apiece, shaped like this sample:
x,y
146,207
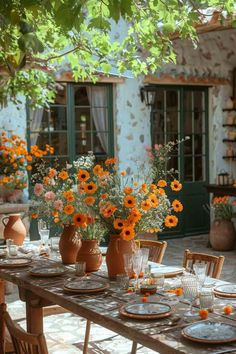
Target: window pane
x,y
188,100
158,123
158,139
44,122
100,143
82,95
198,161
82,119
59,142
83,143
198,144
100,119
61,94
188,149
199,122
40,139
188,124
172,122
159,99
198,101
172,100
57,120
188,168
173,163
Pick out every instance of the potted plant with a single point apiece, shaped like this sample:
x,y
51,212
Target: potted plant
x,y
222,232
125,207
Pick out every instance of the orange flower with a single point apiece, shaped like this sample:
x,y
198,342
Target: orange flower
x,y
161,191
46,180
111,161
228,309
90,187
56,220
109,211
29,168
52,172
69,196
153,199
63,175
179,291
161,183
80,220
144,188
129,201
89,200
146,204
104,196
21,160
153,187
127,233
144,299
119,224
29,158
123,173
203,314
97,169
34,215
128,190
177,206
135,215
171,221
176,185
69,209
83,175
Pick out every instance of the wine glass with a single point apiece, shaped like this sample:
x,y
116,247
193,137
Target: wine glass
x,y
190,290
145,255
128,263
43,229
200,272
137,265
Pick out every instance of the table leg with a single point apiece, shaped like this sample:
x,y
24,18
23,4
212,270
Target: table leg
x,y
134,348
34,318
86,339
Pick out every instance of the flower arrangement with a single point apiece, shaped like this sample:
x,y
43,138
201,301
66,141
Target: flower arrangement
x,y
125,208
15,160
57,200
223,207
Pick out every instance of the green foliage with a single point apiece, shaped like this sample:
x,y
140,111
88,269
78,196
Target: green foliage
x,y
91,35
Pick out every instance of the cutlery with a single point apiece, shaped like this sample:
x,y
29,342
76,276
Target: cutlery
x,y
173,328
170,323
226,351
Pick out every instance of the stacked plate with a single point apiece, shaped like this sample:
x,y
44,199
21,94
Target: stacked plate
x,y
53,271
85,286
226,290
146,310
14,262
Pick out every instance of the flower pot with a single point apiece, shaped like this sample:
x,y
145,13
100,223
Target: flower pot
x,y
114,257
91,254
14,228
222,235
69,244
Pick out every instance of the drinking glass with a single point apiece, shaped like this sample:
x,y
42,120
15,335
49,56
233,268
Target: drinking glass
x,y
128,263
200,272
123,281
190,290
137,265
159,280
80,268
206,298
43,229
145,255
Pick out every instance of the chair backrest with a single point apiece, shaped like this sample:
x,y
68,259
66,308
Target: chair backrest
x,y
214,263
23,342
156,249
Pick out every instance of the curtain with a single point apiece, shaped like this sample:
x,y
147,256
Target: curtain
x,y
98,100
35,124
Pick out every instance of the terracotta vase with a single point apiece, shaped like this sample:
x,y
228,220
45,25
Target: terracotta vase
x,y
222,235
91,254
69,244
114,256
14,228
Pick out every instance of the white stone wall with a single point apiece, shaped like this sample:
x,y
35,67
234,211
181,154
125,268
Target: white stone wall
x,y
13,119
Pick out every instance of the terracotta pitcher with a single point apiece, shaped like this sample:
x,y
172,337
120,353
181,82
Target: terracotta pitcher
x,y
69,244
222,235
114,257
14,228
91,254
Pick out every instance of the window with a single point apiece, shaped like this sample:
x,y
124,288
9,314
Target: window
x,y
79,121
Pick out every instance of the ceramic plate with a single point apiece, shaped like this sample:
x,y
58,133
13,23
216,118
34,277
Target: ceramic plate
x,y
85,285
48,271
147,308
168,272
14,262
210,332
226,289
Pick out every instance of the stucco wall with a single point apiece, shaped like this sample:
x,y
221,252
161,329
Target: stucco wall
x,y
13,119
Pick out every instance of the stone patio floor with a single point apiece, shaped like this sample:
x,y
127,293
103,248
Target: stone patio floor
x,y
65,332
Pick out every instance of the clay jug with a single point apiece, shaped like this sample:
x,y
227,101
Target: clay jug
x,y
114,257
69,244
91,254
14,228
222,235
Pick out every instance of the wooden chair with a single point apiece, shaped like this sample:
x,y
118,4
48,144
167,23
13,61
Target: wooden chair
x,y
214,263
156,249
23,342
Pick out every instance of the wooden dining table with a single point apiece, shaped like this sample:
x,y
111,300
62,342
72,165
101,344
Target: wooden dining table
x,y
103,308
